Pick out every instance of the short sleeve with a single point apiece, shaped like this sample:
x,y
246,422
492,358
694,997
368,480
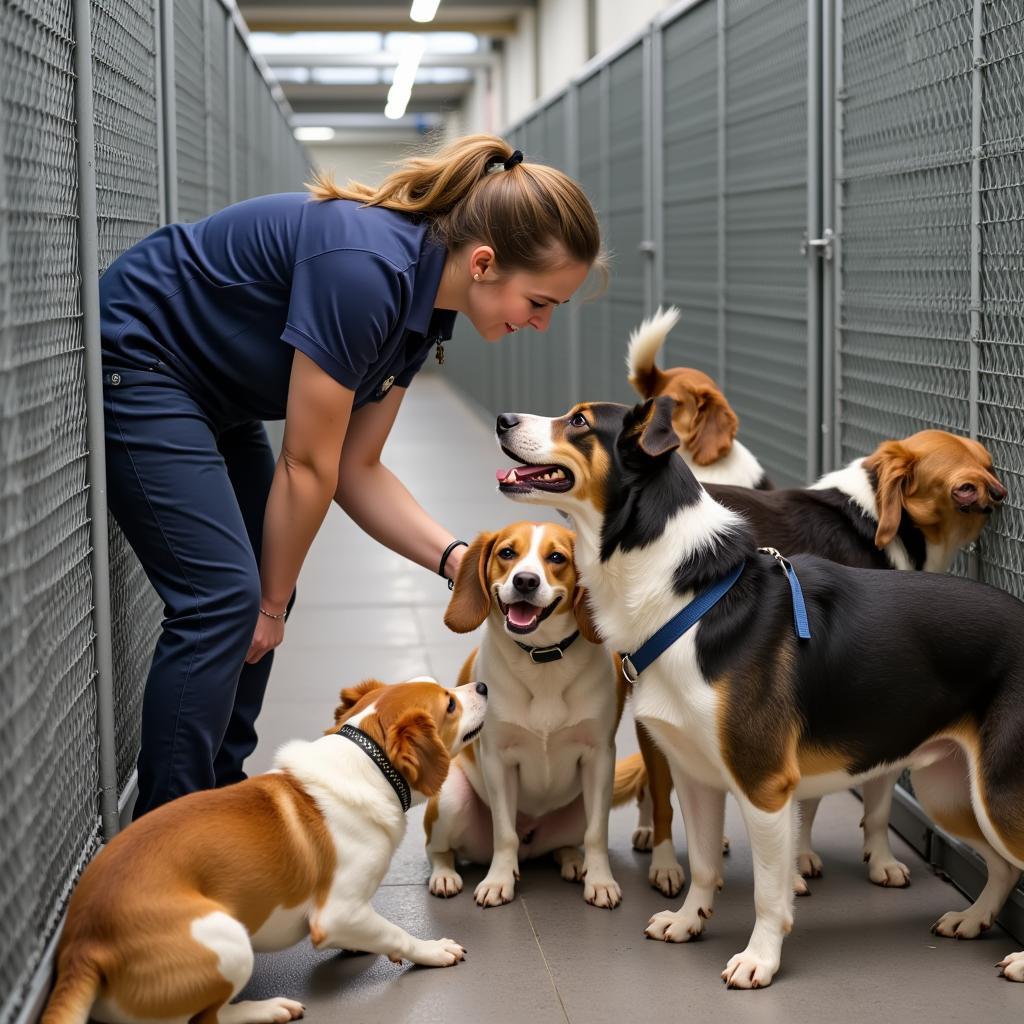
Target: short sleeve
x,y
343,307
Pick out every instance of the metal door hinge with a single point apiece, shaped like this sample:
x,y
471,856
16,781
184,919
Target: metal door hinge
x,y
822,246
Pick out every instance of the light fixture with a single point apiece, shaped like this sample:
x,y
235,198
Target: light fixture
x,y
405,77
314,134
424,10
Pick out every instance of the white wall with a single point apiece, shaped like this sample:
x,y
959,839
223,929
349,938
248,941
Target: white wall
x,y
519,70
561,41
365,162
619,19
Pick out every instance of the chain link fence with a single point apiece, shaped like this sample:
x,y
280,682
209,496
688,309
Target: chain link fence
x,y
231,140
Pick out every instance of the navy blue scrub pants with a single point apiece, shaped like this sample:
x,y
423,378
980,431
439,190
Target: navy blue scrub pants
x,y
190,498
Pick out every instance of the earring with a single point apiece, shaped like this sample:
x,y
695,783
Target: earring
x,y
476,277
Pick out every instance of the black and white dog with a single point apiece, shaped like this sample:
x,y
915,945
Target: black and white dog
x,y
913,670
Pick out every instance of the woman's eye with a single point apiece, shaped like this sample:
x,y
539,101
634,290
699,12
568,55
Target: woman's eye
x,y
579,420
451,705
537,305
506,553
557,557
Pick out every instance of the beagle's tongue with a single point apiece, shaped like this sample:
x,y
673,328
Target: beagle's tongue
x,y
522,614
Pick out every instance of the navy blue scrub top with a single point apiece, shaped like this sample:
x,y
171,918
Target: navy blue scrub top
x,y
221,304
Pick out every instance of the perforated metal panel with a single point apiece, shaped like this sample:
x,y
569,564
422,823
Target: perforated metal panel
x,y
191,111
48,754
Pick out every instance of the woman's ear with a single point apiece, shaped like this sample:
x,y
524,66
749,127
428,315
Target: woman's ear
x,y
893,467
481,262
350,696
471,598
714,427
415,748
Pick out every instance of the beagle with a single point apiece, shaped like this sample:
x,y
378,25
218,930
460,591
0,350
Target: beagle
x,y
902,670
164,922
911,504
702,416
539,778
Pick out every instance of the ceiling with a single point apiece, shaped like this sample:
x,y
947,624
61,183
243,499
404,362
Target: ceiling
x,y
343,83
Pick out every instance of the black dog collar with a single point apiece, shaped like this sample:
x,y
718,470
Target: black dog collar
x,y
542,655
373,751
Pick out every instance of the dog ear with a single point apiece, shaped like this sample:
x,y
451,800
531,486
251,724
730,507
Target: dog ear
x,y
893,466
584,620
471,598
657,435
415,748
714,427
350,696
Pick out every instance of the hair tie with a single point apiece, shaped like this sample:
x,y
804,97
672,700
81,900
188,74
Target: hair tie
x,y
506,165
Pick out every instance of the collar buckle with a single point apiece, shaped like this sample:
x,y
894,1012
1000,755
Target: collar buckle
x,y
542,655
629,672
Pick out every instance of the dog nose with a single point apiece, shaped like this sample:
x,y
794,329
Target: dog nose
x,y
997,492
481,688
506,421
526,582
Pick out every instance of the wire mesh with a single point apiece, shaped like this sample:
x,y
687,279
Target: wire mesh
x,y
191,108
48,756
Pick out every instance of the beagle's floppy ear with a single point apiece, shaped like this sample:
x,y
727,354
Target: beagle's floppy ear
x,y
350,696
657,435
893,467
415,748
471,597
714,427
584,620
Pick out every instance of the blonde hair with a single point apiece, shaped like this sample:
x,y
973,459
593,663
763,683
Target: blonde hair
x,y
526,214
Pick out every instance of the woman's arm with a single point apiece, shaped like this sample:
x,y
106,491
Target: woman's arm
x,y
375,499
305,479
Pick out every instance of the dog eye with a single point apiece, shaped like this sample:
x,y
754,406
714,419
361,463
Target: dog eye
x,y
507,553
451,705
579,420
557,557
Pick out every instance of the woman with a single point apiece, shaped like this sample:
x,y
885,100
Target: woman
x,y
320,310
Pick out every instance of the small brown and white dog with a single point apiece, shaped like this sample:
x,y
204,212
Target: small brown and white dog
x,y
538,780
702,416
164,922
913,670
911,504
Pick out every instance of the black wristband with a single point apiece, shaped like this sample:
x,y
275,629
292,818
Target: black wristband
x,y
444,558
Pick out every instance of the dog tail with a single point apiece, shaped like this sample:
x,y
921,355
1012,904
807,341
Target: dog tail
x,y
78,984
644,345
630,779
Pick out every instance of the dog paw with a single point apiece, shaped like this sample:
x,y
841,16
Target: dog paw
x,y
669,880
439,953
677,926
800,886
962,924
445,882
746,970
495,890
889,872
643,838
808,863
265,1011
602,892
1012,967
572,869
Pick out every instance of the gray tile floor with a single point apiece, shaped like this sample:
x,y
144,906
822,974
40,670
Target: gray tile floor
x,y
857,953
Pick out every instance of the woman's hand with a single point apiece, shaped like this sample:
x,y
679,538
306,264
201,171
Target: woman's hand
x,y
268,635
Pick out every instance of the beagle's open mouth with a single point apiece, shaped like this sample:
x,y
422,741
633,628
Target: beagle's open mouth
x,y
472,734
523,617
520,479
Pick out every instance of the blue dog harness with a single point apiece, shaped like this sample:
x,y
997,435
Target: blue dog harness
x,y
635,663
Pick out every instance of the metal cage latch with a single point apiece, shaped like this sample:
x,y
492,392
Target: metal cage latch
x,y
822,246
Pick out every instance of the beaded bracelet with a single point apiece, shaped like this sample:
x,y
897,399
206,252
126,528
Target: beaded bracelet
x,y
271,615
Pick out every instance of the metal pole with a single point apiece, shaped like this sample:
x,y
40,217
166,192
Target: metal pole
x,y
722,380
170,110
647,245
88,261
207,107
828,212
606,340
814,230
658,160
977,84
835,382
572,124
230,99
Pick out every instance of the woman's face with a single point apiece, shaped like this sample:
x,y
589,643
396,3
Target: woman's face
x,y
500,303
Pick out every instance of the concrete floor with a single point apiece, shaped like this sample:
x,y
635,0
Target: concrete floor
x,y
857,953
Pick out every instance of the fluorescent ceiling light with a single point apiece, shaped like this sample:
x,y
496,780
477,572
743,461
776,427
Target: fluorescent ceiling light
x,y
424,10
435,42
314,134
316,42
404,77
